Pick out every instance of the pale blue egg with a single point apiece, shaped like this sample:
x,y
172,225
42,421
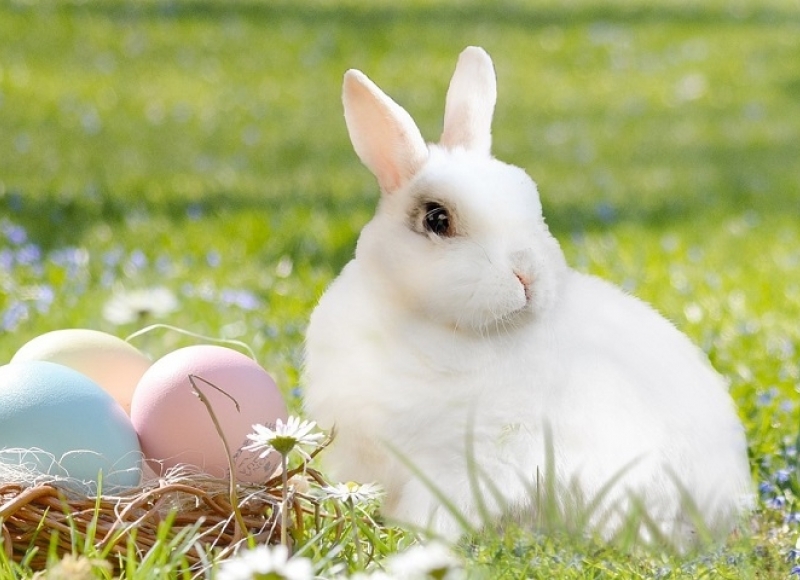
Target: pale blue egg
x,y
53,408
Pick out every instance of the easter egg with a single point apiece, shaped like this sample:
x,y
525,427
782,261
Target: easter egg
x,y
176,428
108,360
57,421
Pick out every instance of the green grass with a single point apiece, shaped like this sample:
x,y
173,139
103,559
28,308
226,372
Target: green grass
x,y
207,138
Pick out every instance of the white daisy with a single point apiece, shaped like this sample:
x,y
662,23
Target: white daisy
x,y
265,563
285,437
351,491
425,561
125,306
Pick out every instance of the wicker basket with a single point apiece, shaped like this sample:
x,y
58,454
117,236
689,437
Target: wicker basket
x,y
44,511
35,516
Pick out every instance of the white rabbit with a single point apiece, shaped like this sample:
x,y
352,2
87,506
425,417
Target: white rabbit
x,y
459,342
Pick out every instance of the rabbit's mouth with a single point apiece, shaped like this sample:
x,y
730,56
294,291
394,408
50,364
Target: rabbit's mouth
x,y
509,322
505,322
510,308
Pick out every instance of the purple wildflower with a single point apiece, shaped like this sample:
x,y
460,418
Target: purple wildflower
x,y
776,503
244,299
14,314
137,260
14,233
194,212
112,257
213,258
29,254
44,298
6,259
782,476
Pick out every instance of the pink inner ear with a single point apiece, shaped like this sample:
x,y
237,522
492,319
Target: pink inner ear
x,y
470,102
383,134
399,162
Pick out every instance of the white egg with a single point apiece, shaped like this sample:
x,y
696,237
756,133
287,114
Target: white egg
x,y
108,360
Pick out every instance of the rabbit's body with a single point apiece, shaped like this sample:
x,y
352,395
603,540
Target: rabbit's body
x,y
468,347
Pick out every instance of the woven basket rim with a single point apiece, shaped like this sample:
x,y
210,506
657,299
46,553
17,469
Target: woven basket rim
x,y
36,514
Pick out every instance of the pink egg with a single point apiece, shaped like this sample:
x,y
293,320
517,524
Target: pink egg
x,y
175,427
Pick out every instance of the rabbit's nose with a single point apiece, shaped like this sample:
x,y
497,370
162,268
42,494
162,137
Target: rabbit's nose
x,y
526,281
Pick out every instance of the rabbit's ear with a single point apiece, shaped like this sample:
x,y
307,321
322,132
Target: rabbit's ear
x,y
470,102
383,134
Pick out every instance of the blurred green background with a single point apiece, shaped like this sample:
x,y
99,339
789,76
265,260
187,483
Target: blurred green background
x,y
659,112
197,149
200,146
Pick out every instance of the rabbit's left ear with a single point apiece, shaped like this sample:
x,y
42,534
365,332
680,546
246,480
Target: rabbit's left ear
x,y
470,103
383,134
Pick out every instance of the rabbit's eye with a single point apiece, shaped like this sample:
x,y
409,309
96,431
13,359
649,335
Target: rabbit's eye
x,y
437,220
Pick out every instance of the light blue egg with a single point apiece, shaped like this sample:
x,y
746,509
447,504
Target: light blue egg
x,y
50,407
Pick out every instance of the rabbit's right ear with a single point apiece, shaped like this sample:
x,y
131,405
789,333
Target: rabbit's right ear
x,y
470,102
383,134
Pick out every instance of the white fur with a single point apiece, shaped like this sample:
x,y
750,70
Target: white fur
x,y
558,379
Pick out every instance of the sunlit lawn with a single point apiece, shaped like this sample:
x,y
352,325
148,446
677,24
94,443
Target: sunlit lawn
x,y
200,146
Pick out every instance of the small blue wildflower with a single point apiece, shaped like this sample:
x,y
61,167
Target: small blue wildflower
x,y
766,397
605,212
107,279
733,559
14,314
137,260
72,260
164,265
792,518
795,571
112,257
271,331
765,488
194,212
15,201
776,503
213,258
14,233
44,298
68,257
6,259
29,254
782,475
242,298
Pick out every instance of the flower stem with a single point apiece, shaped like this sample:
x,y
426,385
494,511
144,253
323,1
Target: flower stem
x,y
233,497
354,527
284,500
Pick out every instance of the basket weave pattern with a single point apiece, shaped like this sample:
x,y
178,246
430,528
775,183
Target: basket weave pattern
x,y
34,516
